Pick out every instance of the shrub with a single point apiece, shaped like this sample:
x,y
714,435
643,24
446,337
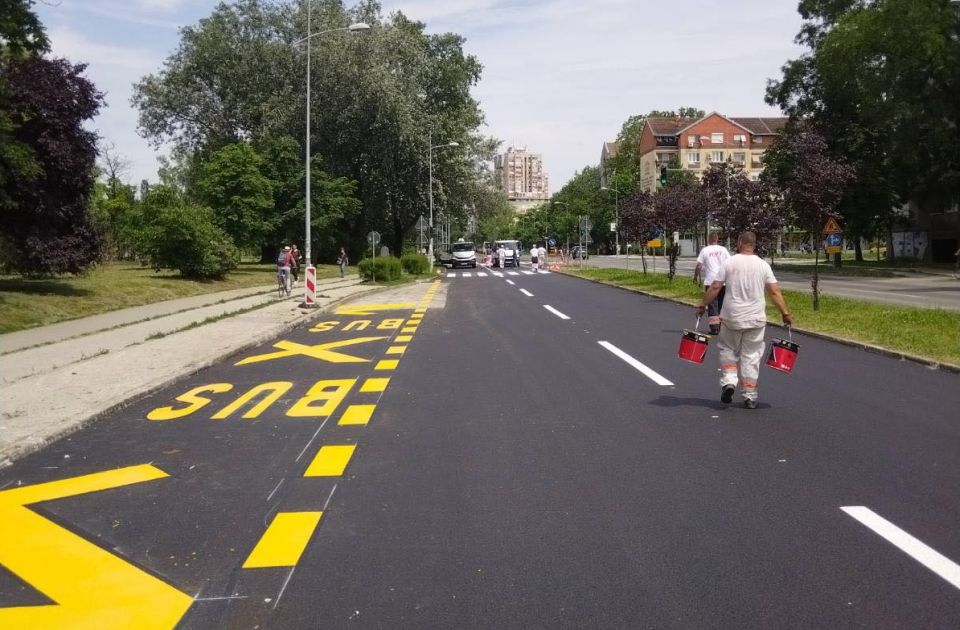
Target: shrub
x,y
416,264
184,237
381,268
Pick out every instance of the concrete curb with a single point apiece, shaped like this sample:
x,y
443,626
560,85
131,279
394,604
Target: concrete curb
x,y
930,363
19,450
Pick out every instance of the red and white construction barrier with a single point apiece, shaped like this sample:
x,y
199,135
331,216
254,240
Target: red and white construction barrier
x,y
310,286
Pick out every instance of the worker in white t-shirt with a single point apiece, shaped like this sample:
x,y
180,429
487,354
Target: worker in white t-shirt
x,y
533,258
709,261
744,318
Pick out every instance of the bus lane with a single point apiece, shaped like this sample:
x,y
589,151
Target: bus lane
x,y
192,507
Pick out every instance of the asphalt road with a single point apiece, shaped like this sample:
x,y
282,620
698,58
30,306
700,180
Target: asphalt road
x,y
514,472
924,290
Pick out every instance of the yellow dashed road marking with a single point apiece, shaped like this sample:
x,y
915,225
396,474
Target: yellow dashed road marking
x,y
404,339
387,365
357,415
330,461
396,350
284,541
374,386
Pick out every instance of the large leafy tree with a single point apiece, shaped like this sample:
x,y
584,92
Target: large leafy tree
x,y
880,81
736,203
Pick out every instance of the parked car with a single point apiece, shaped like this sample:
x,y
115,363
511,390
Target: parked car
x,y
579,252
513,253
463,254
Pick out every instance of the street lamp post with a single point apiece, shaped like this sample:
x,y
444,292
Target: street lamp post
x,y
358,27
616,213
430,190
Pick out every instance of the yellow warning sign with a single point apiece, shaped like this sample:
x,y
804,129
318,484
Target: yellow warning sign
x,y
832,227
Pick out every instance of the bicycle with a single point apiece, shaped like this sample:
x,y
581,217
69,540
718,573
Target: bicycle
x,y
283,284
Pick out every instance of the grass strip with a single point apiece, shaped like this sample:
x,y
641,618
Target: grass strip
x,y
31,302
933,334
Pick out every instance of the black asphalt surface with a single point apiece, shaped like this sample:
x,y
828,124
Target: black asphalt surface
x,y
516,474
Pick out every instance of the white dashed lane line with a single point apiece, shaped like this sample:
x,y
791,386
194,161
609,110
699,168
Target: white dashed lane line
x,y
922,553
526,293
555,311
511,282
652,375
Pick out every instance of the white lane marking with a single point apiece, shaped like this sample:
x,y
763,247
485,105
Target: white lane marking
x,y
526,293
315,434
527,273
653,376
451,275
283,588
480,274
545,272
925,555
467,274
270,496
497,274
513,273
555,311
510,282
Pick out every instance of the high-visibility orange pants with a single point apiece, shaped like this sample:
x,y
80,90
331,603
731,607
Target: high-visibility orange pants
x,y
743,349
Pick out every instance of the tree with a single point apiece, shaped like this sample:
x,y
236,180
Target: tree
x,y
231,184
678,208
809,182
639,221
737,204
47,166
21,33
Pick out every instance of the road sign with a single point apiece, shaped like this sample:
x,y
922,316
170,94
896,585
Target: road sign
x,y
832,227
613,227
655,243
373,238
552,242
833,243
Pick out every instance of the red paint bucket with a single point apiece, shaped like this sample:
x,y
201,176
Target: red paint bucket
x,y
783,354
693,345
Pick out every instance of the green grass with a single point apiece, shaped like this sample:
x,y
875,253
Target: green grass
x,y
930,333
27,303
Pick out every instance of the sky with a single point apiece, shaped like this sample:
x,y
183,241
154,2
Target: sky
x,y
560,76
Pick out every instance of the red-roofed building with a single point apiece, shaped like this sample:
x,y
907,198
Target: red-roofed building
x,y
696,144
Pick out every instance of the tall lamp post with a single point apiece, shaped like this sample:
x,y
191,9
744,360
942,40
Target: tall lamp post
x,y
616,213
430,190
358,27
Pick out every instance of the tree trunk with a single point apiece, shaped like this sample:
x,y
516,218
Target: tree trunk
x,y
858,249
838,260
815,283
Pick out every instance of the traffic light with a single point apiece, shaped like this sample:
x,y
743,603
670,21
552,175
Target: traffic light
x,y
663,176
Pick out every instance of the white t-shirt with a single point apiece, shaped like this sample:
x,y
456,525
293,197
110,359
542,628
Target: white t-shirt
x,y
541,252
746,278
533,252
711,258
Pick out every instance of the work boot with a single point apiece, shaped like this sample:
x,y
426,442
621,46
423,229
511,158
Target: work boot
x,y
726,394
749,403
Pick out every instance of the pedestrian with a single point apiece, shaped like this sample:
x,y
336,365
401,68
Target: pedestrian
x,y
709,261
342,260
295,259
533,258
284,260
501,256
744,319
542,257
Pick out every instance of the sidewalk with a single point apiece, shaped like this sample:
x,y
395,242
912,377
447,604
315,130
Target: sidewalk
x,y
91,365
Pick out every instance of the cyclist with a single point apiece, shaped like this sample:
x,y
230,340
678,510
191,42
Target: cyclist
x,y
295,259
284,264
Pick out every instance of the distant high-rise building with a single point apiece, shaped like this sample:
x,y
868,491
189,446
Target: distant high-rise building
x,y
520,175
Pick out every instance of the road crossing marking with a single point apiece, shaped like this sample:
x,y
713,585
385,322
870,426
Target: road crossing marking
x,y
527,273
283,542
511,282
451,274
526,293
467,274
374,386
555,312
513,273
922,553
480,274
652,375
357,415
330,461
497,274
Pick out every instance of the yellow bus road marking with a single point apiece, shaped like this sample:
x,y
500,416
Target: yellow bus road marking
x,y
404,339
330,461
374,386
284,541
321,352
396,350
357,415
92,587
386,365
408,331
373,309
420,311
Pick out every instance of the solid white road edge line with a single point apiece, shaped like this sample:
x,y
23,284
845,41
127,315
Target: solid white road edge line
x,y
555,311
925,555
653,376
526,293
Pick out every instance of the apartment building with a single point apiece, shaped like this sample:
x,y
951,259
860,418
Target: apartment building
x,y
519,173
696,144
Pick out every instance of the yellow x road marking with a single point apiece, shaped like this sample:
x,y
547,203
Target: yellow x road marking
x,y
321,352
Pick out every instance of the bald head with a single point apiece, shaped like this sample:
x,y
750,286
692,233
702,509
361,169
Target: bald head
x,y
714,238
747,240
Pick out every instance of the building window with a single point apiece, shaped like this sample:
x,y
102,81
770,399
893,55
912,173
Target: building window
x,y
741,138
716,157
693,159
740,159
716,138
758,139
692,140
